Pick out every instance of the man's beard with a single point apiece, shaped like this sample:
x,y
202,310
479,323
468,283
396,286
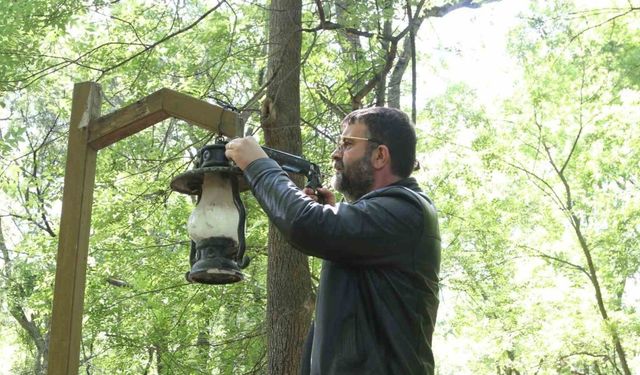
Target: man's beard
x,y
355,180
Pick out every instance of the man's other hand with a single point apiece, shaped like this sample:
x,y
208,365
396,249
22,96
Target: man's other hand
x,y
243,151
321,195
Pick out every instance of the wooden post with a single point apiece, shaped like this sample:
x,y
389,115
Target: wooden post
x,y
75,223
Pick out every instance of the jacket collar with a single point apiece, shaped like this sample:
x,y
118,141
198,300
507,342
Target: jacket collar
x,y
408,182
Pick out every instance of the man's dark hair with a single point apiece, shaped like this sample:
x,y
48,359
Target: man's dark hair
x,y
393,128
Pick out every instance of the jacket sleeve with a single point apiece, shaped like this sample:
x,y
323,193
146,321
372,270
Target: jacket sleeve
x,y
373,230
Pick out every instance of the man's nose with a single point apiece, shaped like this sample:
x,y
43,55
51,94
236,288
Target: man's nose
x,y
336,154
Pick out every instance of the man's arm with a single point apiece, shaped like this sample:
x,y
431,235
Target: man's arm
x,y
363,232
243,151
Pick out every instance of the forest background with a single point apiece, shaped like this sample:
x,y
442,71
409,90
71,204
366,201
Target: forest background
x,y
527,114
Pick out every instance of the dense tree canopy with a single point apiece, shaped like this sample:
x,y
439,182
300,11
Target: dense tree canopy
x,y
538,194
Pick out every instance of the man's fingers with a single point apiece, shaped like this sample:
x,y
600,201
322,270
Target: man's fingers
x,y
310,193
243,151
327,196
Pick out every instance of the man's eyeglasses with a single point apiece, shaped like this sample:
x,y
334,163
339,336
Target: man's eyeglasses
x,y
345,142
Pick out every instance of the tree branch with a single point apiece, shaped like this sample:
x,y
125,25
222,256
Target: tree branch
x,y
28,325
441,11
356,100
170,36
630,10
391,52
577,138
565,262
15,309
33,221
37,75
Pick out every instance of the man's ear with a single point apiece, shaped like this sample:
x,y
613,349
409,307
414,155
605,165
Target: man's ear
x,y
380,157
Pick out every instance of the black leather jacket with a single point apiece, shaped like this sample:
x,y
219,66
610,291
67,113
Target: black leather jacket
x,y
378,294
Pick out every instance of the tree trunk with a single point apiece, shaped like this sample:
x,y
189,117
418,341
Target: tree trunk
x,y
393,96
381,88
401,67
160,352
203,343
408,53
288,279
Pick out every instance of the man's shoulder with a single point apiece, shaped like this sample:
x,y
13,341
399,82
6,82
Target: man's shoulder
x,y
397,201
421,205
408,190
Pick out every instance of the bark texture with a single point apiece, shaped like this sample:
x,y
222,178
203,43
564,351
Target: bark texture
x,y
289,297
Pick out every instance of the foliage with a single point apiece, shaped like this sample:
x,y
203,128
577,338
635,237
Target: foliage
x,y
543,191
518,291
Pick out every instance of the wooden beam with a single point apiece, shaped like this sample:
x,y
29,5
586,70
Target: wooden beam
x,y
159,106
203,114
75,223
127,121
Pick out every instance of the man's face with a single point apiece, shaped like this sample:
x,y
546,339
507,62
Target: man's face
x,y
352,162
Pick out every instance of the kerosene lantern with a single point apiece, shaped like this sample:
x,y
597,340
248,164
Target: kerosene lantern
x,y
216,225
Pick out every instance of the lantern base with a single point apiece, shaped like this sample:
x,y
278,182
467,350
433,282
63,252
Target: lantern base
x,y
215,276
214,262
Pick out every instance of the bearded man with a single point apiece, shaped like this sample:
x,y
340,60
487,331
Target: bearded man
x,y
378,294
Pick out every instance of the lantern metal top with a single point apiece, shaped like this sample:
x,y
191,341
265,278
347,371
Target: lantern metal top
x,y
210,159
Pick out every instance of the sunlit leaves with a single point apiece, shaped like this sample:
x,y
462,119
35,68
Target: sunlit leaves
x,y
507,215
